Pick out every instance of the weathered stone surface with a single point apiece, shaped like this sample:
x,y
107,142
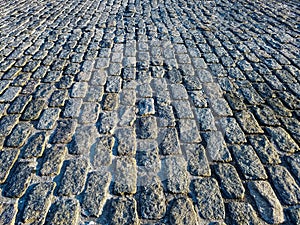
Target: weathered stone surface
x,y
178,92
266,201
125,176
182,212
208,198
79,89
95,193
294,214
19,135
7,160
293,126
7,123
8,212
165,115
19,180
111,101
147,156
89,113
126,115
146,107
10,94
113,84
232,131
73,178
107,122
33,109
182,109
35,146
58,98
188,131
282,139
123,211
230,182
266,115
197,161
264,149
65,211
220,107
146,128
248,122
94,94
64,131
175,173
198,99
38,202
151,199
242,213
48,119
125,138
248,162
72,108
101,153
216,147
168,142
19,104
206,119
285,185
128,97
82,139
53,158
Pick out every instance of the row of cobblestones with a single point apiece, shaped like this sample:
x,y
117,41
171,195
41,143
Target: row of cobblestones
x,y
149,112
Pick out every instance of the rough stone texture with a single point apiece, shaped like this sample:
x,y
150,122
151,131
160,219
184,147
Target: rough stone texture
x,y
35,146
249,162
38,202
188,131
230,182
101,153
125,176
146,128
33,109
208,198
151,199
232,130
73,178
266,201
182,212
53,158
7,160
169,142
48,119
205,119
64,131
95,193
65,211
242,213
8,212
248,122
294,214
19,135
285,185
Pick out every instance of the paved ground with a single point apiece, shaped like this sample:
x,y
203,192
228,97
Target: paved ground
x,y
149,112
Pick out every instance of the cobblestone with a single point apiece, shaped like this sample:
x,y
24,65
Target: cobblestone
x,y
170,112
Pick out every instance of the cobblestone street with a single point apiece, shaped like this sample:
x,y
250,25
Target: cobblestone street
x,y
148,112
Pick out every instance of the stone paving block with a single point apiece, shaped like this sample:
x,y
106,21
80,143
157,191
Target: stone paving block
x,y
113,84
38,202
216,147
248,162
147,156
266,116
111,101
126,115
282,139
53,158
8,212
7,160
285,185
294,214
19,135
188,131
64,131
79,89
205,119
146,107
232,131
293,126
64,211
242,213
94,94
48,119
178,92
101,154
230,182
19,180
165,115
33,109
7,123
95,194
248,122
197,161
264,149
169,142
35,145
220,107
19,104
125,176
146,127
175,173
89,113
198,99
72,108
10,94
123,211
152,199
266,201
144,91
107,122
128,97
126,143
58,98
73,178
182,212
294,164
208,198
182,109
